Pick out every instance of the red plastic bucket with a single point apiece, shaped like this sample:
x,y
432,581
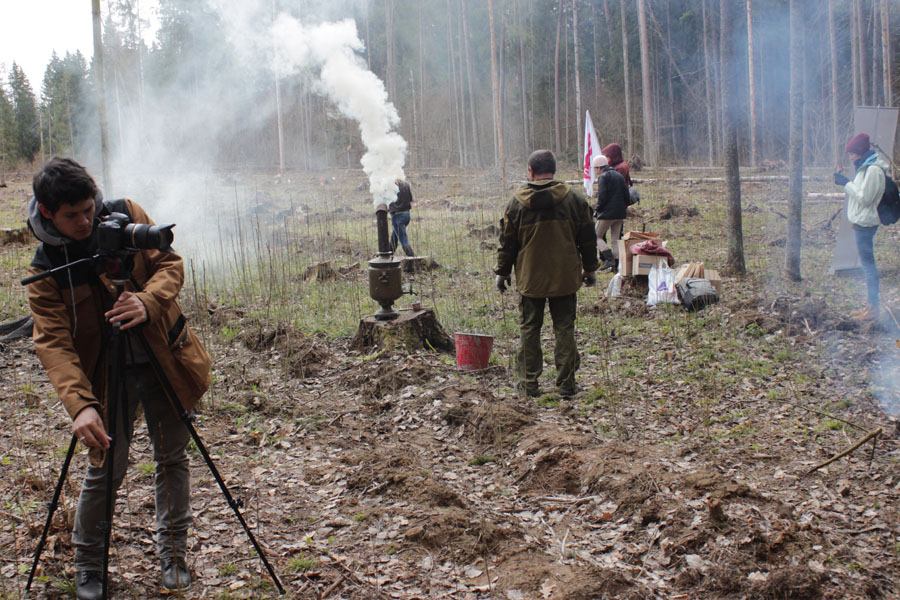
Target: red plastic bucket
x,y
473,350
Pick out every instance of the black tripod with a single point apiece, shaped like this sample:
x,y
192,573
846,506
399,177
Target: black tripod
x,y
117,267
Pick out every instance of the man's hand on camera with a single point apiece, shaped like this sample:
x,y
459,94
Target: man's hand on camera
x,y
502,282
128,311
589,277
88,428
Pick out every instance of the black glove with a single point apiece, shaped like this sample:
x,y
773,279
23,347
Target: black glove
x,y
502,282
840,179
589,277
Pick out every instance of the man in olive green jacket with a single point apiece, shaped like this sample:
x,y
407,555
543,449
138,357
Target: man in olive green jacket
x,y
547,235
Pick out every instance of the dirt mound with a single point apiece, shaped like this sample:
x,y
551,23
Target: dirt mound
x,y
301,356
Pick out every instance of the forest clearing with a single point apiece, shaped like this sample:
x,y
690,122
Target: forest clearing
x,y
744,451
680,471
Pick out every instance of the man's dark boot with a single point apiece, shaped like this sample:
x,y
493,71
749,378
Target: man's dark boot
x,y
175,574
407,250
609,261
89,585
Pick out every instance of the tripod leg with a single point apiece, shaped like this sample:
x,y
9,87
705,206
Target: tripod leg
x,y
187,420
113,398
51,508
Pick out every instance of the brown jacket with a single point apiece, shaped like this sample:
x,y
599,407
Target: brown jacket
x,y
548,236
70,342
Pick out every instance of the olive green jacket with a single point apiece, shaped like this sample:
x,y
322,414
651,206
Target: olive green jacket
x,y
548,235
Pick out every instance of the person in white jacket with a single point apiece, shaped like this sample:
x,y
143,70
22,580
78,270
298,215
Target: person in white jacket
x,y
863,195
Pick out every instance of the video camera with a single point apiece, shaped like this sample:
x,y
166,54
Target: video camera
x,y
116,233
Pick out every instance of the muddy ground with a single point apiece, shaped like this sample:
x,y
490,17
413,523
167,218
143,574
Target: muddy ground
x,y
370,474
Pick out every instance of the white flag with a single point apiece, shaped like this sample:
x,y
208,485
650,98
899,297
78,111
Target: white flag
x,y
591,149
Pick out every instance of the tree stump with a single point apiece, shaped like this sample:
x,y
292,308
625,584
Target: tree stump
x,y
412,330
415,264
321,271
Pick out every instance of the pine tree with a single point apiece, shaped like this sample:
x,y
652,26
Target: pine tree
x,y
25,116
7,128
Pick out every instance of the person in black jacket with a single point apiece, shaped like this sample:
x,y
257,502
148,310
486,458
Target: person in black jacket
x,y
610,208
399,210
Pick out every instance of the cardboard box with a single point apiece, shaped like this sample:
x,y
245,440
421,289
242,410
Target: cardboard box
x,y
642,263
625,258
713,276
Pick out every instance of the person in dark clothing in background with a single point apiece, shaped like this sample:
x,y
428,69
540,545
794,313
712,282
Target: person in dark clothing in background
x,y
613,153
610,209
399,210
548,237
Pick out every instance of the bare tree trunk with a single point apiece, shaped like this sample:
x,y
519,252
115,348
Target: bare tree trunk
x,y
886,52
835,131
559,20
495,85
578,130
629,125
752,81
101,101
854,51
454,85
421,111
596,32
526,136
708,88
389,48
873,35
673,127
610,27
567,108
476,146
463,115
795,151
650,142
416,148
734,263
863,56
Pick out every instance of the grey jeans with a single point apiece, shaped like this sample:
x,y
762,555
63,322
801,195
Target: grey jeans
x,y
614,227
170,438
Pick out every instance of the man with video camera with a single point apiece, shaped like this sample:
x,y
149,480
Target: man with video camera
x,y
74,312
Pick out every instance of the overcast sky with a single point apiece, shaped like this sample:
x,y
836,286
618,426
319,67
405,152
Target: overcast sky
x,y
30,30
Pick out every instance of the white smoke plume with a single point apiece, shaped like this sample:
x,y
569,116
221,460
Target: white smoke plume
x,y
331,49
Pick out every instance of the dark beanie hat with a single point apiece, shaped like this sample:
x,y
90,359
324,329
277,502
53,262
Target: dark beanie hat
x,y
859,144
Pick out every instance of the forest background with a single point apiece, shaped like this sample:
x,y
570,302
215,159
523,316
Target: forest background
x,y
650,72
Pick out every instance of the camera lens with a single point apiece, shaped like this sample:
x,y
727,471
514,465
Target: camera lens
x,y
143,236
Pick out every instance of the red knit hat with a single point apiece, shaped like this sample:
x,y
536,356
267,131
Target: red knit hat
x,y
859,144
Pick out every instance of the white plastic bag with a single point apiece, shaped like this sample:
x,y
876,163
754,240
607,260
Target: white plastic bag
x,y
614,289
661,285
